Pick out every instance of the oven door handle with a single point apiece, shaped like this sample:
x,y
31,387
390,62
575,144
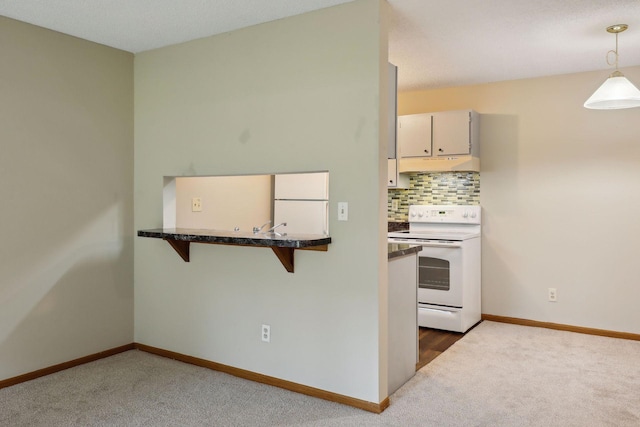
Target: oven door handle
x,y
400,240
427,243
440,244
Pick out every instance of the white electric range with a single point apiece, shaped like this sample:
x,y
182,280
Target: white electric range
x,y
449,270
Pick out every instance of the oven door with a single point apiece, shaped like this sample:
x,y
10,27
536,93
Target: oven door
x,y
439,271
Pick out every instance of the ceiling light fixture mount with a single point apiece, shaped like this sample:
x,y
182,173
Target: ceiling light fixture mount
x,y
618,28
616,92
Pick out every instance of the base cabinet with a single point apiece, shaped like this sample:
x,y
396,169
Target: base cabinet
x,y
403,320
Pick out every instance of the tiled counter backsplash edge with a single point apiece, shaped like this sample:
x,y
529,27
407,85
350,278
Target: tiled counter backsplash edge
x,y
434,188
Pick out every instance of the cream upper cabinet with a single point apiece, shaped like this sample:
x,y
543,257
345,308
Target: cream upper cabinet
x,y
414,135
394,178
452,132
392,149
301,186
441,134
392,173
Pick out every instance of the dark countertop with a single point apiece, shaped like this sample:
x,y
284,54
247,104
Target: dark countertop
x,y
397,250
237,237
397,226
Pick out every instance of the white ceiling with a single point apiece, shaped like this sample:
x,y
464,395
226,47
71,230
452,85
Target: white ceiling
x,y
435,43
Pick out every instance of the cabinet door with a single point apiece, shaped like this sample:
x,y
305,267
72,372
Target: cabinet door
x,y
395,179
302,216
392,172
414,135
393,111
451,133
302,186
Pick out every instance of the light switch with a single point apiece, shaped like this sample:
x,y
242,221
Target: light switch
x,y
343,211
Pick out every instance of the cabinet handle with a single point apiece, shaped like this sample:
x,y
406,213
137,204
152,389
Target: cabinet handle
x,y
440,150
426,151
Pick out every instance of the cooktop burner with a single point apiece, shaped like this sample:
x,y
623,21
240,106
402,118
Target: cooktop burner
x,y
441,222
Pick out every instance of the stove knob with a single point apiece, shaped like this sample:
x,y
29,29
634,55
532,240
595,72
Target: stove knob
x,y
465,214
420,214
413,214
473,214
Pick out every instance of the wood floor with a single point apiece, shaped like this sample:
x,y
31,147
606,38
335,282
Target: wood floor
x,y
433,342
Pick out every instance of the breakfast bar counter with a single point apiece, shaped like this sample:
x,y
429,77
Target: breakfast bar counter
x,y
283,245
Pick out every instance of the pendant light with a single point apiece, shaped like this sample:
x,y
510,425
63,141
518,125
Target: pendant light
x,y
616,92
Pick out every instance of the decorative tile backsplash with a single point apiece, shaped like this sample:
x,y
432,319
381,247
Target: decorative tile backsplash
x,y
434,188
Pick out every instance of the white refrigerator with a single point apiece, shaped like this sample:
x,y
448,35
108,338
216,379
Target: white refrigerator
x,y
302,201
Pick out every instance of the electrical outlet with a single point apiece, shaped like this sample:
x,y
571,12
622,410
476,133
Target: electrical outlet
x,y
266,333
196,204
394,204
553,295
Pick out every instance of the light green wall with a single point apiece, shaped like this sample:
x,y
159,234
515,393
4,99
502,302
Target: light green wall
x,y
298,94
66,180
560,200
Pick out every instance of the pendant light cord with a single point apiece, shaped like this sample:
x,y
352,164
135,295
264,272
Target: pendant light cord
x,y
615,52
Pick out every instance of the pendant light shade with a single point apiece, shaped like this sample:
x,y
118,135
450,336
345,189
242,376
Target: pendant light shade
x,y
616,92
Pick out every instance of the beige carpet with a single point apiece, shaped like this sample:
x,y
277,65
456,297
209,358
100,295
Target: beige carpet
x,y
497,375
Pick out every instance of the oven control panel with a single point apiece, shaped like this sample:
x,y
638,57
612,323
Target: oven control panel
x,y
453,214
